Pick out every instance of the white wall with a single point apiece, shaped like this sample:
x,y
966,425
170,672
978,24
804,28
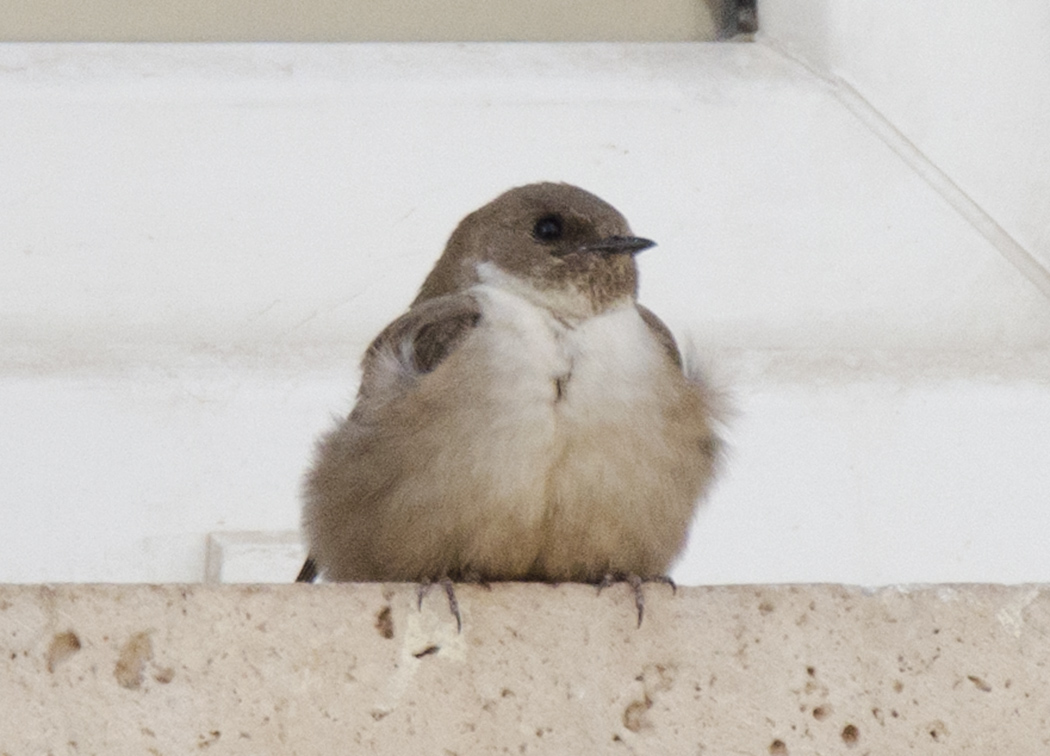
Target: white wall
x,y
199,241
969,87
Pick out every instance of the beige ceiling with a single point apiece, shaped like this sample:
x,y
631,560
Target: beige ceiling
x,y
357,20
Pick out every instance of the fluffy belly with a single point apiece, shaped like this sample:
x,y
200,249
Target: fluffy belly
x,y
583,467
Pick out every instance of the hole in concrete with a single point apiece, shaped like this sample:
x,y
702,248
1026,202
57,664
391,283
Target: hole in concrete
x,y
133,657
385,622
820,713
850,735
811,671
427,651
63,646
633,715
778,748
938,730
980,684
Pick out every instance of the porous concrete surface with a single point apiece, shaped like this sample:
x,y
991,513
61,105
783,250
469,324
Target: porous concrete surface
x,y
330,669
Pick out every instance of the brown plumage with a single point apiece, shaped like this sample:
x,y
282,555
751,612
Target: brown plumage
x,y
525,419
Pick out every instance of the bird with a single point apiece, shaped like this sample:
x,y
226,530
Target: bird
x,y
526,419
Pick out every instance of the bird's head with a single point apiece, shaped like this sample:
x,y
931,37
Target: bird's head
x,y
555,243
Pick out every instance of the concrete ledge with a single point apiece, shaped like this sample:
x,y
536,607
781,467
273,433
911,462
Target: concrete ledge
x,y
348,668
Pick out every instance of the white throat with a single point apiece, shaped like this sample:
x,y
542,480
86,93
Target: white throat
x,y
567,302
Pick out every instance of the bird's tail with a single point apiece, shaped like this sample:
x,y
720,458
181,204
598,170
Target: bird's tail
x,y
308,573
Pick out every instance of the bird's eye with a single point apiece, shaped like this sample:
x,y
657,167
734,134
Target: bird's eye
x,y
548,228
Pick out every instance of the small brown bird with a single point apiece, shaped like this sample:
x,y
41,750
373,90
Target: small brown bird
x,y
526,419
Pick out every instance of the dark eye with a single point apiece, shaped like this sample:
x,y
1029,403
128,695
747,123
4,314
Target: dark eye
x,y
548,228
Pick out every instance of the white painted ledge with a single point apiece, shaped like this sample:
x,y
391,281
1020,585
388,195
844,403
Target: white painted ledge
x,y
357,668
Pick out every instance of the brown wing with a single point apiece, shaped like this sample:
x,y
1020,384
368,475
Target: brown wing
x,y
429,332
662,334
414,344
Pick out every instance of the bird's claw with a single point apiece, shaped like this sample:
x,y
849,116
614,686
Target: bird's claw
x,y
636,582
453,605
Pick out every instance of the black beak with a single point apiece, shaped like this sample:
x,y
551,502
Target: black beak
x,y
615,245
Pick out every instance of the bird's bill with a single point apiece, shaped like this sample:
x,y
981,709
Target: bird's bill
x,y
614,245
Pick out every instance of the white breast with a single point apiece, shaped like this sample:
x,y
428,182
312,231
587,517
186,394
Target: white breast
x,y
605,362
565,382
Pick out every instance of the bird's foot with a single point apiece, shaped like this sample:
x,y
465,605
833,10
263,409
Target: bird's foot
x,y
453,605
636,582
